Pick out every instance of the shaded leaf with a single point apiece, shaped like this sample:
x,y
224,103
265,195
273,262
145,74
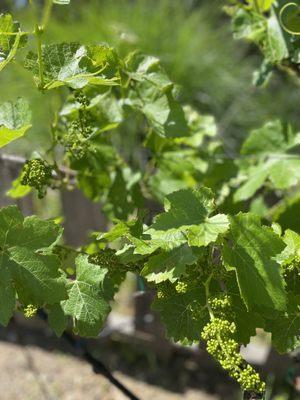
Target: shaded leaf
x,y
251,250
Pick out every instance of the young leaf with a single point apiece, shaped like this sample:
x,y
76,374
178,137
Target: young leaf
x,y
74,65
14,121
153,96
11,38
169,265
87,303
187,219
272,156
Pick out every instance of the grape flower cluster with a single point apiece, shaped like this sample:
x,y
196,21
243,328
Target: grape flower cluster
x,y
181,287
219,334
37,174
107,258
30,311
76,141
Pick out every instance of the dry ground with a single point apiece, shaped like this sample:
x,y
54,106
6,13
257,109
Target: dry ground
x,y
31,373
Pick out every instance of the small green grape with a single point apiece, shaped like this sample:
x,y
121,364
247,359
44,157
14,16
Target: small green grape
x,y
181,287
78,132
30,311
219,334
221,302
37,173
106,258
81,98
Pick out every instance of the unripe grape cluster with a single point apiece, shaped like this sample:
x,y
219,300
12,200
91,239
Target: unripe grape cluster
x,y
222,306
221,302
107,258
37,174
219,334
181,287
76,141
81,98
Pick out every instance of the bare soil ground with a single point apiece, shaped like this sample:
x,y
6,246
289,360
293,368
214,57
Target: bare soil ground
x,y
31,373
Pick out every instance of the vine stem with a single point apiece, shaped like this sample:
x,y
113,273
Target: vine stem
x,y
38,31
65,171
207,293
242,394
46,13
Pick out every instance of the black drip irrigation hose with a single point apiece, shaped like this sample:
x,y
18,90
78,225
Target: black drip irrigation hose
x,y
98,367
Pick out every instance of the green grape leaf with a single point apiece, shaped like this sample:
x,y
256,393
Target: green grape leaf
x,y
131,231
169,265
153,95
18,190
87,303
119,230
187,219
256,177
292,241
184,314
285,328
251,250
46,234
57,319
25,268
36,277
276,47
289,259
11,38
246,321
247,25
14,121
208,232
271,156
74,65
284,214
124,195
273,137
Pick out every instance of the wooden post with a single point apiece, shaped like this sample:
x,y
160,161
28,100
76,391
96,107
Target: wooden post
x,y
9,172
81,216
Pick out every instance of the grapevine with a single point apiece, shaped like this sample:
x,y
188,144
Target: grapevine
x,y
221,254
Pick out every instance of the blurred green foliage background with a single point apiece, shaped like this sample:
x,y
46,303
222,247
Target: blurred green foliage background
x,y
194,42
